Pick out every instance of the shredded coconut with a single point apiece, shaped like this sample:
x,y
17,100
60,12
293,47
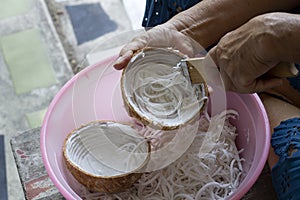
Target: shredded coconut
x,y
157,90
213,175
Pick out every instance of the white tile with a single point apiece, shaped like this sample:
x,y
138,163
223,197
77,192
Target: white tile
x,y
135,10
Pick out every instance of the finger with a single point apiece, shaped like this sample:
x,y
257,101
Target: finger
x,y
136,44
129,49
264,84
213,54
185,44
259,85
227,82
123,60
161,37
210,90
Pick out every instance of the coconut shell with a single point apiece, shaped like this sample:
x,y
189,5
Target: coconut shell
x,y
97,183
102,184
146,121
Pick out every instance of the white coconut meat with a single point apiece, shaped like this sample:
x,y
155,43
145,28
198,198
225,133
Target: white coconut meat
x,y
214,175
154,87
106,149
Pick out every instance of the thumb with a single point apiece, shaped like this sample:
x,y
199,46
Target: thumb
x,y
126,53
123,60
212,54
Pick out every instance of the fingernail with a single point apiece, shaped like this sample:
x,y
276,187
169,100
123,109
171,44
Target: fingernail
x,y
118,61
123,60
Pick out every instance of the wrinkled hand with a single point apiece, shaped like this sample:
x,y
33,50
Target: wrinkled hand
x,y
159,36
246,54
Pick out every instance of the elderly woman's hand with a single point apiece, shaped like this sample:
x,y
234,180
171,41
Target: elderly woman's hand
x,y
247,53
159,36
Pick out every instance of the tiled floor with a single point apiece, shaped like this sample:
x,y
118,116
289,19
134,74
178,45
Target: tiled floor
x,y
23,39
24,97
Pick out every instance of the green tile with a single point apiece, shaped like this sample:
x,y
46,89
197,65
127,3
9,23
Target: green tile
x,y
27,61
9,8
35,119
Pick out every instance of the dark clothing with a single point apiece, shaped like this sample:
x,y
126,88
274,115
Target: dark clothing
x,y
295,81
160,11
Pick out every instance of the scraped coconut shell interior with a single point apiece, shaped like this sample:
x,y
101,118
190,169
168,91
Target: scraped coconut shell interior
x,y
106,156
156,92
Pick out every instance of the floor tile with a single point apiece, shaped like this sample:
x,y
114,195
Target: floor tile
x,y
35,119
27,61
89,21
11,8
14,107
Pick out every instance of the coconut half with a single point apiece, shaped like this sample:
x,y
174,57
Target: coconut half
x,y
106,156
156,92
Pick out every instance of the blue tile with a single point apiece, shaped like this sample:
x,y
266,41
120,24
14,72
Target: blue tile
x,y
3,181
89,21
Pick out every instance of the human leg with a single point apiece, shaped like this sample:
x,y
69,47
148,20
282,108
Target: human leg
x,y
284,156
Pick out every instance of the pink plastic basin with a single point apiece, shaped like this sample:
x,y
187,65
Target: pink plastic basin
x,y
94,94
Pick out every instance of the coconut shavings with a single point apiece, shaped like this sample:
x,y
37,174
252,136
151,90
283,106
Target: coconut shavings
x,y
213,175
156,89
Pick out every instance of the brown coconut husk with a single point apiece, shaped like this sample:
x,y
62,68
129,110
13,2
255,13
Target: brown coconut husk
x,y
106,184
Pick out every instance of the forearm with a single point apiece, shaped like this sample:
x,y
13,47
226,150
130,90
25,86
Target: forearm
x,y
209,20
